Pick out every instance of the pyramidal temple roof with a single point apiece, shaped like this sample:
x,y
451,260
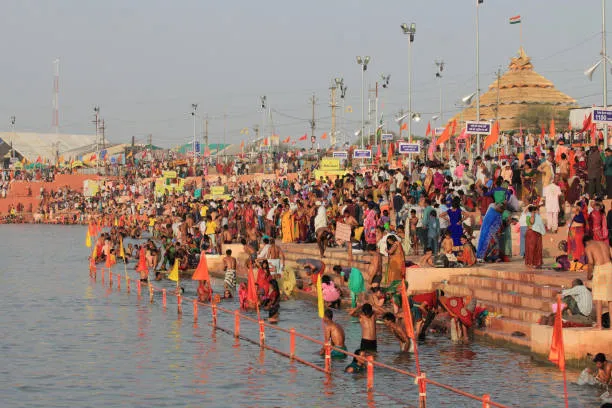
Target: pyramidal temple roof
x,y
519,87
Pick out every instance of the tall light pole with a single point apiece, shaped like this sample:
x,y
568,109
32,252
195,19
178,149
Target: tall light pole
x,y
12,136
410,31
194,108
440,66
340,85
363,62
478,3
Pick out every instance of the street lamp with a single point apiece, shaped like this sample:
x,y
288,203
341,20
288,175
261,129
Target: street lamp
x,y
478,3
12,136
340,85
440,66
363,61
194,108
410,31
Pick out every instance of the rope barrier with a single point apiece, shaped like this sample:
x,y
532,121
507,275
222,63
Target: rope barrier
x,y
420,380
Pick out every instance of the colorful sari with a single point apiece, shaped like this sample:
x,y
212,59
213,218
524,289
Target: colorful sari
x,y
599,225
488,242
574,237
455,225
288,226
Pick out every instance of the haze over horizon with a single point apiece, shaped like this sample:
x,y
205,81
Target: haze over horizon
x,y
145,62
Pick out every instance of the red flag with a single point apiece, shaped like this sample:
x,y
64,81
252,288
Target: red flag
x,y
569,125
39,159
207,150
265,142
445,136
304,137
378,153
557,351
586,123
404,126
201,272
93,157
428,130
463,134
242,145
432,148
552,131
453,127
324,136
293,142
493,137
390,152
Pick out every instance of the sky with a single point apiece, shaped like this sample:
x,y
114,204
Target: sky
x,y
144,62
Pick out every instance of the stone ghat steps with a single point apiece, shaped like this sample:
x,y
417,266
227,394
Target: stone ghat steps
x,y
504,337
506,286
492,295
543,278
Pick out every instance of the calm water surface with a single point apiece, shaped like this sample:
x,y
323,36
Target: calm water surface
x,y
69,341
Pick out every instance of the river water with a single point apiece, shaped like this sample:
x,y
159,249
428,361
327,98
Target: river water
x,y
67,340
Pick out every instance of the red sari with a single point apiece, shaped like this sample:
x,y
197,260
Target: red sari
x,y
533,248
574,237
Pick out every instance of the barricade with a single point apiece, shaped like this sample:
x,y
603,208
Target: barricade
x,y
292,334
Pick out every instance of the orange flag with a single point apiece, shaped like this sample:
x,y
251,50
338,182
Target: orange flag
x,y
445,136
453,127
324,136
390,152
428,130
406,311
201,272
493,137
242,145
552,132
302,138
557,351
404,126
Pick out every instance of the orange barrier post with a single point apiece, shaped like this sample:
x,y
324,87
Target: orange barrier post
x,y
195,310
151,293
102,275
118,282
370,370
110,279
262,333
164,297
237,323
138,286
179,302
327,358
127,284
292,342
422,382
214,315
485,401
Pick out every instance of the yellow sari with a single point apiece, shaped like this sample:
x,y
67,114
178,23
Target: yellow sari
x,y
287,226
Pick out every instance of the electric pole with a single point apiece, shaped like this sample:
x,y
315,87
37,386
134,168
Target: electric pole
x,y
102,130
97,124
332,136
206,131
313,100
12,136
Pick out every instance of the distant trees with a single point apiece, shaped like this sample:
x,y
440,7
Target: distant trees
x,y
533,117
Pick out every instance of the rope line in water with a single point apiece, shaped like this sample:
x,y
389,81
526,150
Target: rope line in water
x,y
485,399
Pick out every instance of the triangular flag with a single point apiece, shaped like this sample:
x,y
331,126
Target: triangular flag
x,y
445,136
88,239
320,302
493,137
324,136
453,127
378,152
390,152
404,126
586,123
407,312
557,351
251,290
242,145
463,134
174,273
428,130
304,137
201,272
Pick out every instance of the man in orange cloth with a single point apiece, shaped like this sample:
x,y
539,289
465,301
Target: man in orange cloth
x,y
142,264
201,274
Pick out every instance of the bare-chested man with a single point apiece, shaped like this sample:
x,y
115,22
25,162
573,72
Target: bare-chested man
x,y
399,330
276,258
335,334
604,369
367,319
600,271
229,266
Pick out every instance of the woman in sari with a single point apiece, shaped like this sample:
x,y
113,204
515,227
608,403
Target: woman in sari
x,y
455,221
575,234
301,220
528,180
488,241
397,260
369,225
428,183
287,225
598,223
533,238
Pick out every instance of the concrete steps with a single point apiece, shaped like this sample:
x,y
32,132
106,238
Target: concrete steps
x,y
493,295
507,286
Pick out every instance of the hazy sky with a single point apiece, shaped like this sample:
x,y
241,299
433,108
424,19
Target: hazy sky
x,y
146,61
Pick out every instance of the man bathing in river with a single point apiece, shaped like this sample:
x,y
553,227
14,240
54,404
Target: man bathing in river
x,y
367,319
229,266
399,330
334,333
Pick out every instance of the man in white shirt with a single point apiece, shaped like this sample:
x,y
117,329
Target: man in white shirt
x,y
578,299
551,194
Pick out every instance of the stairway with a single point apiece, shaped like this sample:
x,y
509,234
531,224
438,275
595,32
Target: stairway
x,y
514,297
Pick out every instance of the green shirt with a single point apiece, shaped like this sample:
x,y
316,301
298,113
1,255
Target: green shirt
x,y
608,166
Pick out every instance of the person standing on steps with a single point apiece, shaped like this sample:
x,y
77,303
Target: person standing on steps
x,y
600,271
